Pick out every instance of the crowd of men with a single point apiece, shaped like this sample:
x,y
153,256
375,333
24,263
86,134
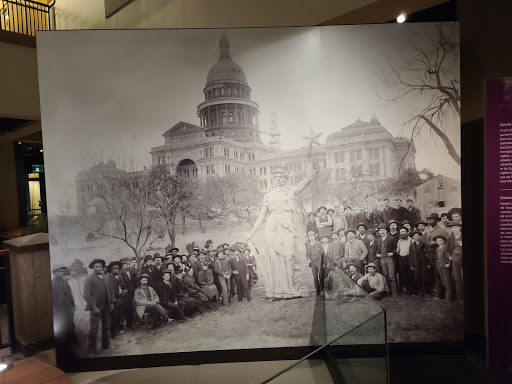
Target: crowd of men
x,y
390,251
386,252
167,288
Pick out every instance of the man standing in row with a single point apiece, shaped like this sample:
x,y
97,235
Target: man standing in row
x,y
120,293
100,299
386,246
339,221
336,250
355,250
314,254
63,307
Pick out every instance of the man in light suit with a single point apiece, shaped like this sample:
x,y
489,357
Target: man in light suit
x,y
146,300
336,250
100,299
315,254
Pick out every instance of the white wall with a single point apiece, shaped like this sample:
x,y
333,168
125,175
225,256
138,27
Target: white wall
x,y
90,14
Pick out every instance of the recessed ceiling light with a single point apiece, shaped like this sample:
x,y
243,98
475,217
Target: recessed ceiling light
x,y
40,150
400,18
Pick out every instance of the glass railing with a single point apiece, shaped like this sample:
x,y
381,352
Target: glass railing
x,y
355,348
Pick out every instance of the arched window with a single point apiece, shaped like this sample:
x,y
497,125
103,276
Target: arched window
x,y
216,91
236,91
229,91
222,91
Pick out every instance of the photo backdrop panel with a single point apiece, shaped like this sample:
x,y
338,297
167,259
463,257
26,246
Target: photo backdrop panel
x,y
159,142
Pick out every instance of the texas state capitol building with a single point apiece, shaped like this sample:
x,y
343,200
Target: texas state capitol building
x,y
227,140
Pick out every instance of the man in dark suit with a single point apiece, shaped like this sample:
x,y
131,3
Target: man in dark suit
x,y
100,299
63,307
315,255
351,219
386,247
130,284
241,272
362,216
158,268
376,217
169,298
388,213
414,213
120,293
401,213
149,269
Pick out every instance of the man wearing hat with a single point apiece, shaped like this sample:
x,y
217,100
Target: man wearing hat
x,y
169,298
386,248
63,306
149,269
323,223
455,214
372,249
336,250
419,262
146,300
361,233
422,226
158,267
355,250
315,254
363,216
100,299
443,264
435,230
353,272
373,282
455,249
120,293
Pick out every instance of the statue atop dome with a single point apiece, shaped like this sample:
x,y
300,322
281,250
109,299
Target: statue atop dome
x,y
224,47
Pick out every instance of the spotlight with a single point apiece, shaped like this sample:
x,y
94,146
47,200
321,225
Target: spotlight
x,y
400,18
19,142
40,150
5,367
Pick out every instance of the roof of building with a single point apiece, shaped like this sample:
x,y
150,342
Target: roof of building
x,y
225,70
183,128
101,169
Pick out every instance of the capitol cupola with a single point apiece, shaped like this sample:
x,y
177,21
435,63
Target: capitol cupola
x,y
228,110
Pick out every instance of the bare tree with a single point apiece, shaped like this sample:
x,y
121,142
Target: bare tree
x,y
121,208
432,75
220,197
167,195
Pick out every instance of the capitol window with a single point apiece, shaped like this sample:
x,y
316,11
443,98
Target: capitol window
x,y
236,91
229,91
222,91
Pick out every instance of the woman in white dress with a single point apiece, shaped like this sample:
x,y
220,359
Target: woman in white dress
x,y
280,262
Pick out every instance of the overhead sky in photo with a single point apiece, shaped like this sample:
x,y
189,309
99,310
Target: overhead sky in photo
x,y
112,94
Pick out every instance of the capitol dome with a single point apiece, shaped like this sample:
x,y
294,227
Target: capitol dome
x,y
226,70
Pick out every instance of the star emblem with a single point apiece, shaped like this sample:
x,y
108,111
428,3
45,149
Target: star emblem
x,y
313,138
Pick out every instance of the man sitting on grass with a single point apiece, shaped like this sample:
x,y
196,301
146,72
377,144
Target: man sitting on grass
x,y
373,282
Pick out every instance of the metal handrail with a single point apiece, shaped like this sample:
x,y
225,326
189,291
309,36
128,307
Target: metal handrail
x,y
25,16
